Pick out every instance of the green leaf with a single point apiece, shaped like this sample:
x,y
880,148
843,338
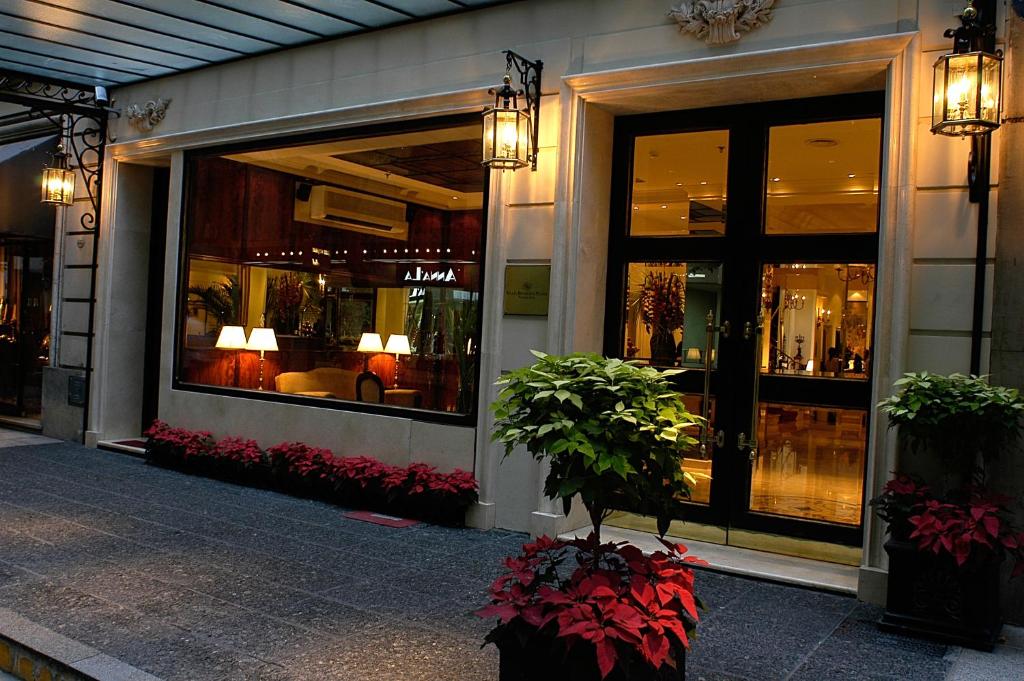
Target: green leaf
x,y
562,395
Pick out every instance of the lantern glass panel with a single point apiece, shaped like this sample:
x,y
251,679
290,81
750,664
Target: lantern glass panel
x,y
991,72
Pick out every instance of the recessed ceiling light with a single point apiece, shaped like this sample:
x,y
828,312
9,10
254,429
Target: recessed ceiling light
x,y
682,217
636,207
703,181
664,205
851,174
679,184
455,198
776,179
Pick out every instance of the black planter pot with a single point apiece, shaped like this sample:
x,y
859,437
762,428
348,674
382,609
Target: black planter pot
x,y
930,596
542,660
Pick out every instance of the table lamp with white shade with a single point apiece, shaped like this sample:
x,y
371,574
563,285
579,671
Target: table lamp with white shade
x,y
232,338
369,343
693,355
397,345
263,340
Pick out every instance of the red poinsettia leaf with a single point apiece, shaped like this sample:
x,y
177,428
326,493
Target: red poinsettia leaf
x,y
991,524
655,649
977,512
504,612
676,627
606,657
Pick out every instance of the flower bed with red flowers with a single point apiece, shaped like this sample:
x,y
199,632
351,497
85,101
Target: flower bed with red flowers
x,y
417,490
618,614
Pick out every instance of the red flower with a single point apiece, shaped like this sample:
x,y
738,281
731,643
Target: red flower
x,y
618,600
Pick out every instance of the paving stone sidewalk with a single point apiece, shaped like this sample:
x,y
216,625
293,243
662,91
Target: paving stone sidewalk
x,y
193,579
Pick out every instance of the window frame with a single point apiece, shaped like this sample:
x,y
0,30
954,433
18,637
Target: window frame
x,y
332,134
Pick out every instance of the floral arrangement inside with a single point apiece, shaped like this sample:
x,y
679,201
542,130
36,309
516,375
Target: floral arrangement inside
x,y
415,491
662,301
608,605
969,525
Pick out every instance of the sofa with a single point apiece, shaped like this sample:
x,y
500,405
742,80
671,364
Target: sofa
x,y
320,382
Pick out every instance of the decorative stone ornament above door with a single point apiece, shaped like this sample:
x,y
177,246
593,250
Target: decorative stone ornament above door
x,y
719,22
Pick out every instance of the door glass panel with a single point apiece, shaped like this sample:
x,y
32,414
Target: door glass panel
x,y
666,312
679,184
823,177
818,319
696,465
810,463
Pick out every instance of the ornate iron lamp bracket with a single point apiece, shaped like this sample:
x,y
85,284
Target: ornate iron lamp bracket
x,y
82,122
529,77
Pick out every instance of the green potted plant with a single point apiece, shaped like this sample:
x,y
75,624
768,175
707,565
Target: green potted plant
x,y
949,539
615,434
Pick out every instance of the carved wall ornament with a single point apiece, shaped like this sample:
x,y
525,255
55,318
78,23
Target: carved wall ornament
x,y
149,115
719,22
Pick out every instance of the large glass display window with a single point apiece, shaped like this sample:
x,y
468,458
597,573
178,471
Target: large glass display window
x,y
347,272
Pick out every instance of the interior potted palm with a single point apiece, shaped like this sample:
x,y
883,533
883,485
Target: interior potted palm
x,y
615,434
948,539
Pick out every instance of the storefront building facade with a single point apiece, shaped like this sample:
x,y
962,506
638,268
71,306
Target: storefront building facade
x,y
779,172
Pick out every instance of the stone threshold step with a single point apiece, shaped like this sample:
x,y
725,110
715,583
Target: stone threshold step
x,y
31,651
135,447
769,567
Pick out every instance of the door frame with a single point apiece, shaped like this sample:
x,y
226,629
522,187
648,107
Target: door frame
x,y
742,259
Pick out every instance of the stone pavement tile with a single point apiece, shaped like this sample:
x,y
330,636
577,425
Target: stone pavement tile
x,y
847,660
331,617
861,627
1005,663
767,633
718,591
400,652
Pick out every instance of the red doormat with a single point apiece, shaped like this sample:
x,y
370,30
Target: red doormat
x,y
141,444
380,519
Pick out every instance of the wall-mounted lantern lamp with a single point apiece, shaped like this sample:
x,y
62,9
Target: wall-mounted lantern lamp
x,y
966,96
510,133
967,83
59,181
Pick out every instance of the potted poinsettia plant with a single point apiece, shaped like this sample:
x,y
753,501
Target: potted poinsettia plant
x,y
948,540
614,434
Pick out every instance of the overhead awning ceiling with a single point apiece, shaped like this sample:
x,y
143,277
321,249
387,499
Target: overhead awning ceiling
x,y
114,42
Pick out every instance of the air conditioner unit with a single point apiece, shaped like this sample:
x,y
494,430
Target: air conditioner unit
x,y
346,209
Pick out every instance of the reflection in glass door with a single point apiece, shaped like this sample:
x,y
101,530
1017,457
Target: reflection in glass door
x,y
25,280
742,252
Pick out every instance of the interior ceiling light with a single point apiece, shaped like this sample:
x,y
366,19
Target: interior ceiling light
x,y
851,174
776,179
821,142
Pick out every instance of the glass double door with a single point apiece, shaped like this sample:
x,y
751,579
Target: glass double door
x,y
744,244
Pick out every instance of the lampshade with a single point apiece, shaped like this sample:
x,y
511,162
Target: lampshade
x,y
262,339
966,93
231,338
370,342
398,345
693,354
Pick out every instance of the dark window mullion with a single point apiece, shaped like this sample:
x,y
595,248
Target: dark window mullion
x,y
824,392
